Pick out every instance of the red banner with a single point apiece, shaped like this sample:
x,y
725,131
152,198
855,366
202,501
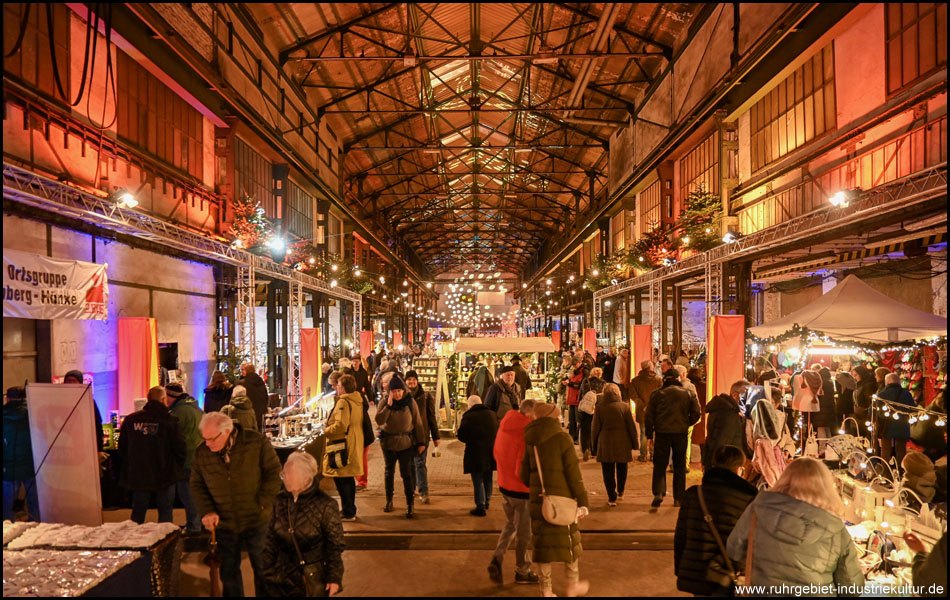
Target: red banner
x,y
138,360
397,340
590,341
311,359
725,362
366,343
642,347
556,340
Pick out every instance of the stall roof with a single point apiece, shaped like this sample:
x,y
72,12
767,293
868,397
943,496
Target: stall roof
x,y
520,344
854,310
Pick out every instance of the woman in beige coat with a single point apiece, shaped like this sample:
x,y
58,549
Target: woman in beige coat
x,y
346,421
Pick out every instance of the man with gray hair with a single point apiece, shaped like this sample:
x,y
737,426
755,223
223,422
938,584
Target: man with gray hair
x,y
234,479
895,433
508,452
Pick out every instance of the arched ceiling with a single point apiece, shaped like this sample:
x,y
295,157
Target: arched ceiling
x,y
475,132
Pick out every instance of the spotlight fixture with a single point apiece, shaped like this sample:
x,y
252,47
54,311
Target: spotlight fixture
x,y
124,199
333,283
334,268
429,285
731,236
382,279
356,272
405,283
686,240
276,243
842,198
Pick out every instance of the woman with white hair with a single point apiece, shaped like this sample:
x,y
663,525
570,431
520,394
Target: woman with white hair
x,y
795,533
305,527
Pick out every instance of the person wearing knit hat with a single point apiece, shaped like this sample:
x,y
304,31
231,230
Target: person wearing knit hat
x,y
401,438
504,394
425,403
919,475
545,410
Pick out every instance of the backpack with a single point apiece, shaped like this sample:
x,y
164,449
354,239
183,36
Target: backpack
x,y
587,403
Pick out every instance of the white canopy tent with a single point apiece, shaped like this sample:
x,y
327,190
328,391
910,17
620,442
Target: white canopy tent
x,y
519,344
853,310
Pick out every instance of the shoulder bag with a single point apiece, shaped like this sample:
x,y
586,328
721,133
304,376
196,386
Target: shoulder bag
x,y
312,573
337,454
556,510
720,571
588,403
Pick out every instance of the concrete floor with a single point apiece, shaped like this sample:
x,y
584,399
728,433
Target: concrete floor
x,y
445,551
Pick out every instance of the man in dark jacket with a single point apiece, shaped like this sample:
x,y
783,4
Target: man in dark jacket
x,y
153,452
504,394
726,495
235,477
430,425
78,377
671,412
477,431
724,425
641,388
17,455
363,385
185,408
521,376
256,391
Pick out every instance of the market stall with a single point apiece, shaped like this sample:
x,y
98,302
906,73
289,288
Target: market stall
x,y
53,559
533,352
300,426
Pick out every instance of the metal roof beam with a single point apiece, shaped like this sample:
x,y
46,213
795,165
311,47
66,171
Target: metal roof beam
x,y
285,53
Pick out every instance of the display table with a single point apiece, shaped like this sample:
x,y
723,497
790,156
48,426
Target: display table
x,y
70,573
158,543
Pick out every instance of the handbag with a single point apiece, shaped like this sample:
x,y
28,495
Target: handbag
x,y
312,573
720,570
368,434
811,445
337,453
556,510
588,403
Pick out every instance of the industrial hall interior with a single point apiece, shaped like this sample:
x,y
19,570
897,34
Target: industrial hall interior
x,y
474,299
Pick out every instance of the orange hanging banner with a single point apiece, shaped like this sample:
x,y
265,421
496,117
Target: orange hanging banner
x,y
590,341
397,340
725,358
556,340
137,353
642,336
311,367
366,342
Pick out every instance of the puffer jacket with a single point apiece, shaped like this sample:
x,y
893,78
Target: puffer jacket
x,y
899,429
795,543
152,449
399,429
217,397
318,531
241,410
17,450
508,452
562,477
727,495
189,416
724,427
346,420
641,387
239,483
672,410
477,431
613,431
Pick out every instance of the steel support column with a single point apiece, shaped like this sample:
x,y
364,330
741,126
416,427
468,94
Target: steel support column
x,y
246,292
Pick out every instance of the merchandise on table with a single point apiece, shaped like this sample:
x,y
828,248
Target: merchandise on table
x,y
126,534
63,573
12,530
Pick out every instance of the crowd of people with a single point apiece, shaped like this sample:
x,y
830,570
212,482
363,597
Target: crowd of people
x,y
225,472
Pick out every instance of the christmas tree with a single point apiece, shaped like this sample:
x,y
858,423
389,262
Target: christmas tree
x,y
251,228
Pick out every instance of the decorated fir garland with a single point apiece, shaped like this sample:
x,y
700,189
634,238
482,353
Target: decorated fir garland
x,y
697,228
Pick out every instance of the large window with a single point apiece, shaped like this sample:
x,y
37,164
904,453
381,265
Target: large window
x,y
700,167
650,207
33,64
799,109
299,212
916,41
253,175
155,119
617,233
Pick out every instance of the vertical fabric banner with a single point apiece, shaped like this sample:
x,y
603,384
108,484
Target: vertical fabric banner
x,y
366,343
137,350
642,347
590,341
428,337
311,369
397,340
63,439
556,340
726,354
410,338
